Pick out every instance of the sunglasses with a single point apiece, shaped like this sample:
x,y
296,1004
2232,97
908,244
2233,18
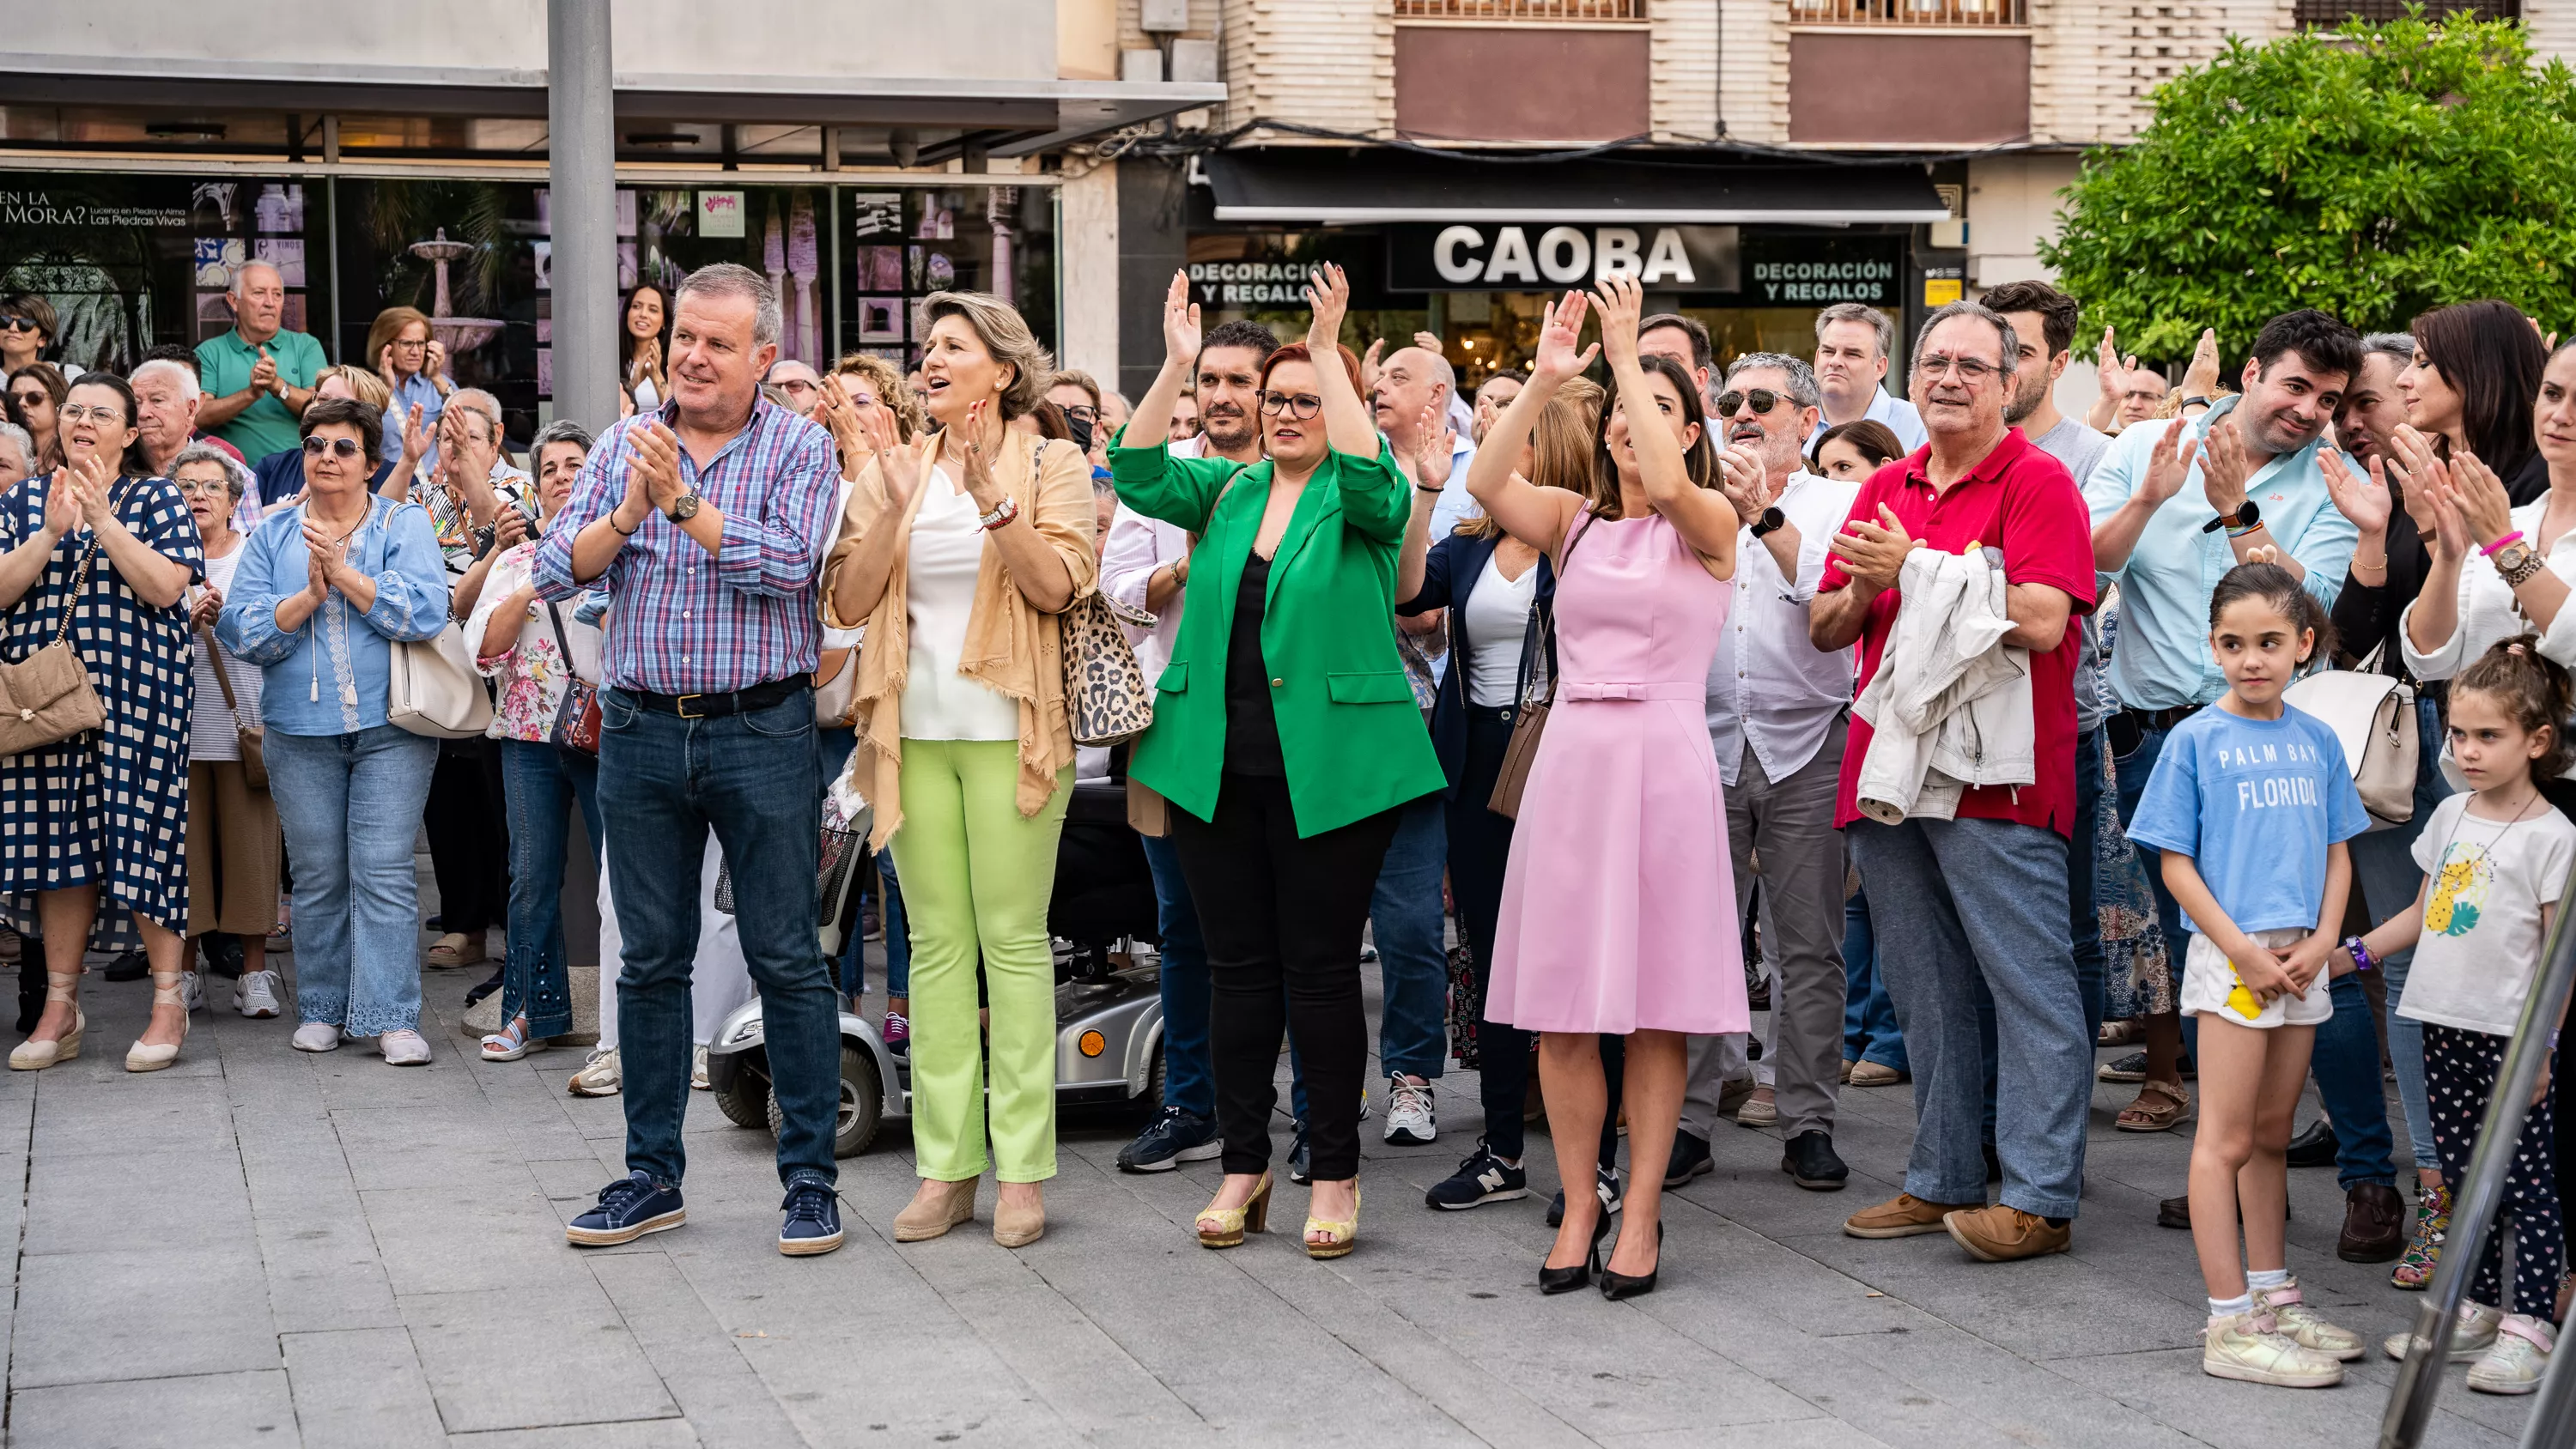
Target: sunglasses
x,y
1762,398
21,324
339,447
1299,408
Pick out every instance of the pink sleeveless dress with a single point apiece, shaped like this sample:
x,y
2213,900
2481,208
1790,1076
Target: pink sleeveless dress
x,y
1619,900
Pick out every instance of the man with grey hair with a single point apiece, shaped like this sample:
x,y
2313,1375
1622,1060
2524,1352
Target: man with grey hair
x,y
258,377
708,520
166,402
2373,407
1980,895
1853,342
17,456
1776,715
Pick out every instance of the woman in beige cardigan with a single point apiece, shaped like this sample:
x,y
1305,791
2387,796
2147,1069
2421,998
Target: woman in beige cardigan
x,y
959,553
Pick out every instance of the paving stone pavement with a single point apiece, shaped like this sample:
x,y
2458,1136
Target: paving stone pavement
x,y
259,1247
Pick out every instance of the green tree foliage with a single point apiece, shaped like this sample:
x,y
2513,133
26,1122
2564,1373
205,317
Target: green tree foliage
x,y
2372,172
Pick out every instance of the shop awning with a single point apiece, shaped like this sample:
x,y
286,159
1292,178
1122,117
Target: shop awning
x,y
1330,186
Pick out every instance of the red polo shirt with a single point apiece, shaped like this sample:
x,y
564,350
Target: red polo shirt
x,y
2023,501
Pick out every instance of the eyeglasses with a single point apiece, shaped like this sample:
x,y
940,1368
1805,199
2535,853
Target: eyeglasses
x,y
1084,411
1762,398
89,414
21,324
1971,370
1299,408
194,486
794,385
416,346
342,447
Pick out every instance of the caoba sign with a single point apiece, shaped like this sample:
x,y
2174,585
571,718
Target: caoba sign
x,y
1532,257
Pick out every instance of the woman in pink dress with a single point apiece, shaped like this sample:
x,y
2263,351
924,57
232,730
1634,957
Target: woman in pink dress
x,y
1618,903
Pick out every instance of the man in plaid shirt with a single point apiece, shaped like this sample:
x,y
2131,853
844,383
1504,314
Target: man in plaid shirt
x,y
707,522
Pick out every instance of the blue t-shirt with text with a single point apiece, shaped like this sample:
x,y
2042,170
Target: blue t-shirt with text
x,y
2254,803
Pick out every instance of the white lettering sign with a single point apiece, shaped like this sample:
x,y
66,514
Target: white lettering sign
x,y
1444,253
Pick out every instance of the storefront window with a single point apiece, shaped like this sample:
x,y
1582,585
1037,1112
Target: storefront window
x,y
904,245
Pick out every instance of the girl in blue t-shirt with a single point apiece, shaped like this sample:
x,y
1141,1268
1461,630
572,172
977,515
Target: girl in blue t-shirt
x,y
2250,803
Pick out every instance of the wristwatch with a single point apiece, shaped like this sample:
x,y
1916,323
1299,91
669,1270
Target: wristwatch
x,y
684,507
2245,517
1772,520
2517,562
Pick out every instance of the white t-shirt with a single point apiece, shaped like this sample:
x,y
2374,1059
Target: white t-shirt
x,y
210,725
945,553
1496,620
2481,942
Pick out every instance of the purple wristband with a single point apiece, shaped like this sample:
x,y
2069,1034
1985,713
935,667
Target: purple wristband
x,y
2361,957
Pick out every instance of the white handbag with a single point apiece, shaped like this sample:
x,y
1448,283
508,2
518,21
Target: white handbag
x,y
432,688
2373,718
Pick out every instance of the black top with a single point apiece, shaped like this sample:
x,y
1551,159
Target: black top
x,y
2365,618
1251,725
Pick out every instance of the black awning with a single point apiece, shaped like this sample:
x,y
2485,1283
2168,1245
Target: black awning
x,y
1327,186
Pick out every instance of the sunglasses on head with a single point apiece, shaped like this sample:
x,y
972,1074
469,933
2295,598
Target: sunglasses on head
x,y
1762,398
341,447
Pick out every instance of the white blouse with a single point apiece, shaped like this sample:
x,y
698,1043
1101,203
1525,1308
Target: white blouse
x,y
941,559
2489,613
1496,622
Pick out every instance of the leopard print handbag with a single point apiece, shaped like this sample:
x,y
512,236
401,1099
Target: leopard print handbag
x,y
1106,695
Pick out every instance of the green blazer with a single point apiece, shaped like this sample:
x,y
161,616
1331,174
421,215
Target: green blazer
x,y
1349,732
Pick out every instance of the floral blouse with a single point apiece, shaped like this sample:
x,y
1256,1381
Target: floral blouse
x,y
531,673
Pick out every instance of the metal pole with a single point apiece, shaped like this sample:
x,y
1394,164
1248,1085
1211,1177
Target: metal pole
x,y
2474,1207
581,149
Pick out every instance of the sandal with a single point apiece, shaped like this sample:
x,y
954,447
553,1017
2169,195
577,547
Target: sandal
x,y
511,1042
2414,1270
2144,1115
455,949
2121,1033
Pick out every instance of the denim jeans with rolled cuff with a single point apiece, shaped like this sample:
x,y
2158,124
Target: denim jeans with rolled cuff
x,y
1189,1076
349,806
543,784
664,781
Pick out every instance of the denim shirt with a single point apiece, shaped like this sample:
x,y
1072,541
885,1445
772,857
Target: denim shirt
x,y
330,676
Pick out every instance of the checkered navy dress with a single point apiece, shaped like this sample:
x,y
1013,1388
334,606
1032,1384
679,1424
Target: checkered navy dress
x,y
111,807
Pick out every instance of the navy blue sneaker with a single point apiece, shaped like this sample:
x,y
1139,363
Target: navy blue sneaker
x,y
1481,1179
1605,1183
1298,1165
813,1223
1172,1138
628,1208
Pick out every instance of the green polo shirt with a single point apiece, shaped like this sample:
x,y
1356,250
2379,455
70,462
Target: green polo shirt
x,y
223,367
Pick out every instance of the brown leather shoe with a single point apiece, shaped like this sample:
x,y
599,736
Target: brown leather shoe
x,y
2374,1224
1902,1216
2001,1234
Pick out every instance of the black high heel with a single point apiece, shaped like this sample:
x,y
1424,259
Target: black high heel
x,y
1565,1280
1615,1286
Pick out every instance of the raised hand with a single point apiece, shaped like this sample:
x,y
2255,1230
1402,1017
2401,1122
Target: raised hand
x,y
1874,553
325,554
385,364
2201,378
1740,478
2364,500
654,461
263,373
898,467
2168,463
2478,496
979,465
2223,466
1558,358
1429,342
1328,292
1438,450
65,510
1181,331
436,366
509,530
1622,300
415,437
2450,532
1368,368
2108,371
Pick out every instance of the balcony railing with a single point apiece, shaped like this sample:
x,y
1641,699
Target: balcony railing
x,y
1926,14
1513,12
2328,14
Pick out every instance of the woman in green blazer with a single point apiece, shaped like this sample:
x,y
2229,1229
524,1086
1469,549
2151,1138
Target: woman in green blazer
x,y
1286,737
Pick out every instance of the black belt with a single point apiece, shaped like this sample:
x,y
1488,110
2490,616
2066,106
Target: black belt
x,y
2163,719
734,701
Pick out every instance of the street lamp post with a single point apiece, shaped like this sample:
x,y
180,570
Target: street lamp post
x,y
582,160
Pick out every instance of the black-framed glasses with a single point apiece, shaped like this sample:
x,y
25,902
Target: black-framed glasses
x,y
1763,400
1971,370
409,344
342,447
1084,411
1298,408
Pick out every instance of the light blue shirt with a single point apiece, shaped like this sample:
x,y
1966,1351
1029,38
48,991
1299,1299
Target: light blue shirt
x,y
330,676
2163,660
1455,507
2254,803
1902,418
416,388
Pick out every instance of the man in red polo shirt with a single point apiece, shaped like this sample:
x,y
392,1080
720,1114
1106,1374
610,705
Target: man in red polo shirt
x,y
1982,896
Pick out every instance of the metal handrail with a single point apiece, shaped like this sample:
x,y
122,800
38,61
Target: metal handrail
x,y
2473,1213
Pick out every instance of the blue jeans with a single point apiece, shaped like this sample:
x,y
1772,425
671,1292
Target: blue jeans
x,y
898,931
2083,921
2345,1058
1956,902
542,783
1409,927
832,750
664,781
350,805
2384,871
1189,1073
1869,1018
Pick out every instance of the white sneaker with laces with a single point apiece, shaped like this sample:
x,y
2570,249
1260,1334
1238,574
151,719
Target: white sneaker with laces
x,y
698,1072
404,1048
600,1076
1409,1119
255,994
317,1036
192,992
2518,1359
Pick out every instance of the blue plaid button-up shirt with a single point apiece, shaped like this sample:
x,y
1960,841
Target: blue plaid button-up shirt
x,y
684,621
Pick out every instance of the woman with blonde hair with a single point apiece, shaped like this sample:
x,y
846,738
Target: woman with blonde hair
x,y
958,553
412,363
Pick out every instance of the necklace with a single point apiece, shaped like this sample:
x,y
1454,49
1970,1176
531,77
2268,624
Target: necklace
x,y
2521,813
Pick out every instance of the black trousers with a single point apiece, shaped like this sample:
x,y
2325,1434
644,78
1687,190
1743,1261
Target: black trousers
x,y
468,820
1480,847
1282,918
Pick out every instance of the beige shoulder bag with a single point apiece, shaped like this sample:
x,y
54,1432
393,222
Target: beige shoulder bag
x,y
46,697
253,736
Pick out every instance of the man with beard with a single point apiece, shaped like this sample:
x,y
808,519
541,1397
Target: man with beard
x,y
2372,406
1144,564
1776,707
2176,504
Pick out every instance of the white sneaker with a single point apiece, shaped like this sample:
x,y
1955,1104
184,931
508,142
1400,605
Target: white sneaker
x,y
2519,1358
2304,1326
255,994
698,1072
192,992
1409,1119
2471,1337
316,1036
601,1076
2249,1348
404,1048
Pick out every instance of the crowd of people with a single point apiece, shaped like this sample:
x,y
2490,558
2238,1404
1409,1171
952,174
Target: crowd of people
x,y
1959,736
